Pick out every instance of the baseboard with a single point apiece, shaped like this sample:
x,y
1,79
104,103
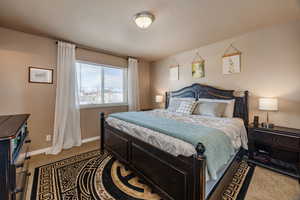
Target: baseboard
x,y
44,150
39,151
91,139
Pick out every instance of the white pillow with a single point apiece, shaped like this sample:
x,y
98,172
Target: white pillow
x,y
229,108
174,103
212,109
186,107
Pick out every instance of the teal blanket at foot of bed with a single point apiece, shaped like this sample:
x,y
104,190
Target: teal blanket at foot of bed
x,y
218,145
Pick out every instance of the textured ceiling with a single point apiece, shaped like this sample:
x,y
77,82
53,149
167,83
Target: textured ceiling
x,y
180,24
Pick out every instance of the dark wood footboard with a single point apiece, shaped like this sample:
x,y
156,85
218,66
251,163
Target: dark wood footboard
x,y
174,178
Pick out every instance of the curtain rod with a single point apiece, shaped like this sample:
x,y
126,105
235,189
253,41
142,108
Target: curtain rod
x,y
95,50
70,42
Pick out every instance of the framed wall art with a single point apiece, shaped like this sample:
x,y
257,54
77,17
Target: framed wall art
x,y
174,73
232,61
40,75
198,67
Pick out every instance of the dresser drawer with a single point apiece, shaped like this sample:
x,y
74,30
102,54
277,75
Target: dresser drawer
x,y
23,165
23,153
276,140
21,185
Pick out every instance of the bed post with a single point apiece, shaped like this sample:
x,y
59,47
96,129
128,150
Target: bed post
x,y
167,95
246,112
199,172
102,120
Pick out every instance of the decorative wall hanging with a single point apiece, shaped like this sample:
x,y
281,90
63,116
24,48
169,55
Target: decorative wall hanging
x,y
174,72
40,75
198,69
232,61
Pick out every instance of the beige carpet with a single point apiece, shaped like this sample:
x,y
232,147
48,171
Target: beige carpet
x,y
265,184
269,185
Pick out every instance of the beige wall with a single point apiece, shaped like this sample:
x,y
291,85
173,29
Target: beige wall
x,y
90,120
270,68
100,58
17,52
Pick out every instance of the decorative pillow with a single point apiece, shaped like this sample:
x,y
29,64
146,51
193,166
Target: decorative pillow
x,y
212,109
186,107
229,108
174,103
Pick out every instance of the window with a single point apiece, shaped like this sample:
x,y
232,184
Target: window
x,y
101,84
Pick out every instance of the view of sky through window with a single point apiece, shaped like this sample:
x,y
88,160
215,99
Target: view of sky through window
x,y
113,85
90,80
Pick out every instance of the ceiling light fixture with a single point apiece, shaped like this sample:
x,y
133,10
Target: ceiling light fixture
x,y
144,19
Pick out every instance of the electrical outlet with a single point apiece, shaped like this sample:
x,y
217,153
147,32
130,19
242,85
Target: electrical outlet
x,y
48,138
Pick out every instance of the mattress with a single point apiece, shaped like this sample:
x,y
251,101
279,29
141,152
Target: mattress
x,y
232,127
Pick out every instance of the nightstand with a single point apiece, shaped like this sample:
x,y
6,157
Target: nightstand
x,y
277,149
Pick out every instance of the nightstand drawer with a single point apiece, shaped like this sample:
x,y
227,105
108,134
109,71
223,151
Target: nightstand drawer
x,y
276,140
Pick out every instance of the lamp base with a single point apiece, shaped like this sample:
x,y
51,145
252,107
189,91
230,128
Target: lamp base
x,y
267,125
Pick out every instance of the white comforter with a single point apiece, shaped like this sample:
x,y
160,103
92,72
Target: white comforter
x,y
233,127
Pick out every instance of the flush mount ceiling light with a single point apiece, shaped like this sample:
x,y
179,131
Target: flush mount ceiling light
x,y
143,19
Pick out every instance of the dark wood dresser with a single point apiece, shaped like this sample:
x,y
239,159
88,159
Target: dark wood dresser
x,y
277,149
14,146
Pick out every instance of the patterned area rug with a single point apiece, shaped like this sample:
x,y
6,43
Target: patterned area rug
x,y
92,176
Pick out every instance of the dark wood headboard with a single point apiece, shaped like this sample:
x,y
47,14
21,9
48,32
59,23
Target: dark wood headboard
x,y
204,91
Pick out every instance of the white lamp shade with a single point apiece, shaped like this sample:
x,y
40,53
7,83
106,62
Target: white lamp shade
x,y
159,98
270,104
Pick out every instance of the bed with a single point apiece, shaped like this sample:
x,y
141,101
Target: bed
x,y
174,169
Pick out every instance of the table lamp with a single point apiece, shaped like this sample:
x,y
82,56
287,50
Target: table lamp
x,y
268,104
159,98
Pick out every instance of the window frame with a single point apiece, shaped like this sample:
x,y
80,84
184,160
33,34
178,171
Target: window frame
x,y
125,87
